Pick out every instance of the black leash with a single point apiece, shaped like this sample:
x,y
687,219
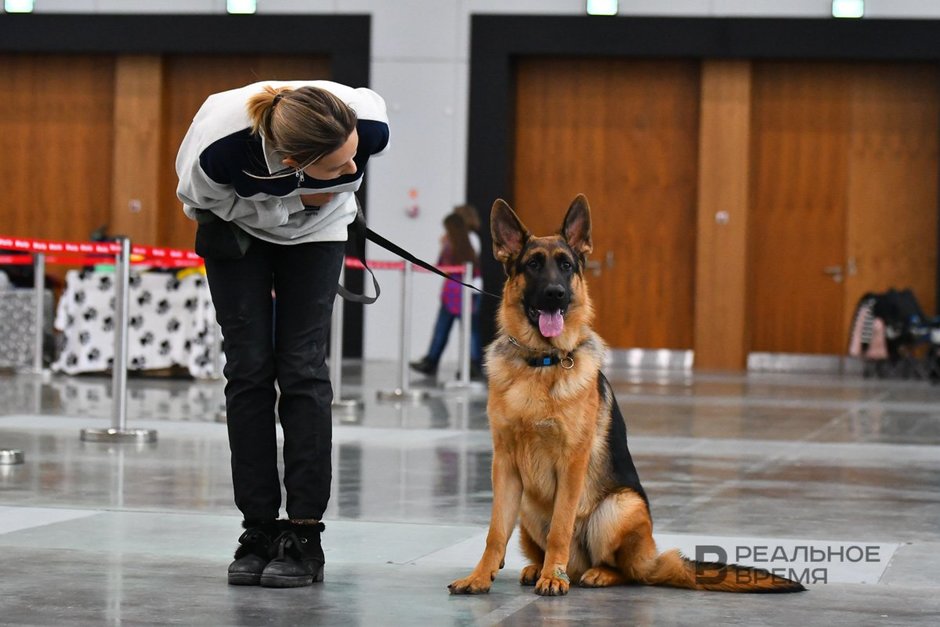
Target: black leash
x,y
361,232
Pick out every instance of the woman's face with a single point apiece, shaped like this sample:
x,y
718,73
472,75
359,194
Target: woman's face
x,y
333,165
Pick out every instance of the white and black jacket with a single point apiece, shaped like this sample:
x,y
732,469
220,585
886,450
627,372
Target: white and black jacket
x,y
219,154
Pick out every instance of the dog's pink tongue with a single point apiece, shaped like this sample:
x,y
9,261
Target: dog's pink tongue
x,y
551,323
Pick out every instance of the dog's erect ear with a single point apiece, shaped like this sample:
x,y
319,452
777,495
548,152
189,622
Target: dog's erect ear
x,y
509,234
576,229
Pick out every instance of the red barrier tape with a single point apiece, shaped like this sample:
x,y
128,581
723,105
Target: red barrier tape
x,y
148,255
102,248
354,263
27,260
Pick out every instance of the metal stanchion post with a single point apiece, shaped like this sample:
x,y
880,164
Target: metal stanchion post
x,y
119,431
466,332
11,456
402,392
39,311
336,355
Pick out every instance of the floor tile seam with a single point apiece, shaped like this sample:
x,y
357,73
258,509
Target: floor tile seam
x,y
870,405
736,401
829,424
869,455
174,428
237,517
626,400
799,379
908,585
112,509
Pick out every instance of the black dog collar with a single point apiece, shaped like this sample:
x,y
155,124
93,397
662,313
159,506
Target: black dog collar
x,y
543,360
551,359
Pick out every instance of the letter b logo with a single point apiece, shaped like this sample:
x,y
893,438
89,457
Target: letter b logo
x,y
703,559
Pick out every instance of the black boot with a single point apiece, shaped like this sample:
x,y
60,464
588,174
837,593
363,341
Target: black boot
x,y
297,558
425,366
253,552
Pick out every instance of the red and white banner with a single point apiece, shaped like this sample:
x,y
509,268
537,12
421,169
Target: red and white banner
x,y
79,254
142,253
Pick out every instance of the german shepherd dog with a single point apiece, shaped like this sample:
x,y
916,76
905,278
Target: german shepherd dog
x,y
561,465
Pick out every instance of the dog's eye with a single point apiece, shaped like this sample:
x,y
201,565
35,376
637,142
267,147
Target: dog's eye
x,y
565,265
534,263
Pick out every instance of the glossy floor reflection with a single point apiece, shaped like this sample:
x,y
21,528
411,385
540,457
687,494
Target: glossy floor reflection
x,y
751,466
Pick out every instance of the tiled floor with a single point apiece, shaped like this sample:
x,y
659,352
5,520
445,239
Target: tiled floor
x,y
753,466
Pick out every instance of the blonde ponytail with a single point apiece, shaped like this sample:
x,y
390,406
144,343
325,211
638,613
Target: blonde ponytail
x,y
304,123
261,107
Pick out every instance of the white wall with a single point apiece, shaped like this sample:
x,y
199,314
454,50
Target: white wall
x,y
420,52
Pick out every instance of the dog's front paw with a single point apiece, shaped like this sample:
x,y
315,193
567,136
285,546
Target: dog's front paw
x,y
529,575
554,585
474,584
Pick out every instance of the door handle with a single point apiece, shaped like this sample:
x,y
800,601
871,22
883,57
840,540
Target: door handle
x,y
835,272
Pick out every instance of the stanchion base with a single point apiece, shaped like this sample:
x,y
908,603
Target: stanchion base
x,y
140,436
469,386
399,395
347,405
10,456
348,411
45,375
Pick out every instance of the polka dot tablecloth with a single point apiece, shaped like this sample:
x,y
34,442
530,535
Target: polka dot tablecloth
x,y
171,323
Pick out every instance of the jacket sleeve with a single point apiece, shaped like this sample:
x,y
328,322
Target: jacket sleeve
x,y
200,192
373,120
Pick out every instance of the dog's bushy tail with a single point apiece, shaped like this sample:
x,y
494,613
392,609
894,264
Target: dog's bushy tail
x,y
672,569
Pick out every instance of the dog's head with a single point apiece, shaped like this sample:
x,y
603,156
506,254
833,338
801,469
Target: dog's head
x,y
545,297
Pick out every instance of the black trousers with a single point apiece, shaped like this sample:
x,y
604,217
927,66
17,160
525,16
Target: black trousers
x,y
282,340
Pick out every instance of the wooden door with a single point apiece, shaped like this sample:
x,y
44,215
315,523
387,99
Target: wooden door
x,y
892,193
843,196
623,132
800,133
188,81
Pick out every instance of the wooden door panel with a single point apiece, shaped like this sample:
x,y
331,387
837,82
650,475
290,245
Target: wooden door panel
x,y
188,81
623,132
800,132
55,137
893,165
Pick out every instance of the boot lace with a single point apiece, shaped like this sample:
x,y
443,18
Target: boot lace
x,y
253,536
288,545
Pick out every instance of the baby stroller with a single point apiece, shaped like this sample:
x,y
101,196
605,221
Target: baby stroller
x,y
892,337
